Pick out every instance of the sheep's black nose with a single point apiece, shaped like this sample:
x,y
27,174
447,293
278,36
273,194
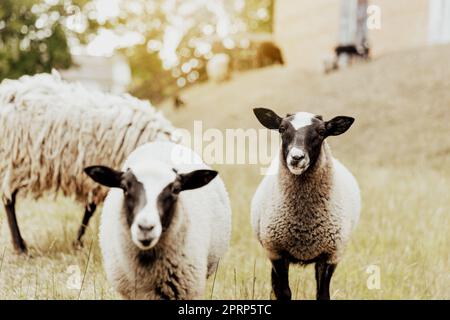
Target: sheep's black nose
x,y
298,157
145,228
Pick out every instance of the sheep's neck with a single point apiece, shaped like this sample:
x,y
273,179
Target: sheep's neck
x,y
160,269
309,189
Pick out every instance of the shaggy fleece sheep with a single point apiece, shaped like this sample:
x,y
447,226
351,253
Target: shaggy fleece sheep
x,y
51,130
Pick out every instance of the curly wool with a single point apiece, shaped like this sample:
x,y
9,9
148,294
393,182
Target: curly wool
x,y
188,251
51,130
304,217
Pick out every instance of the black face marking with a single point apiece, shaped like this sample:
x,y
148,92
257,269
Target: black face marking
x,y
133,190
308,138
168,197
166,203
134,196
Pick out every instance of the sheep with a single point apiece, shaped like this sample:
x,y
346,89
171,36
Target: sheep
x,y
218,67
268,53
348,54
52,129
165,223
305,210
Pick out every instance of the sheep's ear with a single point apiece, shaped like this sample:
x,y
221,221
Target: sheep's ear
x,y
338,125
193,180
105,176
268,118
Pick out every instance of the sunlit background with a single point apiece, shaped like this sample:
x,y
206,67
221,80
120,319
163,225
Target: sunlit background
x,y
155,48
152,48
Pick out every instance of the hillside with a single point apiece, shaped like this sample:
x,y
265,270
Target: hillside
x,y
401,103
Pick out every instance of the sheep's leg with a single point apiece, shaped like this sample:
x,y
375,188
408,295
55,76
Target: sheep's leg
x,y
18,242
88,213
324,272
280,279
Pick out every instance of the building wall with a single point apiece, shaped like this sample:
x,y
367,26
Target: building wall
x,y
308,31
439,21
110,74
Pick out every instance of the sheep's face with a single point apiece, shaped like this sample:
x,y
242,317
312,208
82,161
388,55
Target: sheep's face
x,y
149,197
140,206
302,135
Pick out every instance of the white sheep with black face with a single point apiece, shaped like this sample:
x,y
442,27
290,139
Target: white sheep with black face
x,y
304,213
165,224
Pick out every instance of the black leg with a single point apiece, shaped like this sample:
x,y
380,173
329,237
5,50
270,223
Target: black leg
x,y
18,242
88,212
324,272
280,279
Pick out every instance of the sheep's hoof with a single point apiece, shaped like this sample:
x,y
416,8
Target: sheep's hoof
x,y
23,253
284,296
78,244
21,248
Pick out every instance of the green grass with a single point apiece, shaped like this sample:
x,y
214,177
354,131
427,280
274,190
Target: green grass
x,y
399,150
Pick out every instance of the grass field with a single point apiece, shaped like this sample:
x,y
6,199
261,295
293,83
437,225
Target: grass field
x,y
398,148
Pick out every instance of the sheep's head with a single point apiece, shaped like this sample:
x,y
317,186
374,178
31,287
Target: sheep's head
x,y
149,197
302,135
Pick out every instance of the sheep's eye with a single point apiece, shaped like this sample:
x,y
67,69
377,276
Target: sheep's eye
x,y
321,131
282,129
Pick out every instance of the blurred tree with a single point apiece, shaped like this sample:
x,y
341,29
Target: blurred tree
x,y
178,37
34,34
258,15
169,60
150,80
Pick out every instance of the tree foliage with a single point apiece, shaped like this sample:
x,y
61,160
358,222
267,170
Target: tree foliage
x,y
37,35
34,34
201,26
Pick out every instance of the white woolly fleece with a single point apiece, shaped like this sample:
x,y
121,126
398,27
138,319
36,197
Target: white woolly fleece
x,y
344,204
207,234
51,130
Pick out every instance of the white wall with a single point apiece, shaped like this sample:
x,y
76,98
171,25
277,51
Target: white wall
x,y
105,73
308,30
439,21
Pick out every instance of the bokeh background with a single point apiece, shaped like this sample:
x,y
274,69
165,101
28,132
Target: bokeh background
x,y
398,148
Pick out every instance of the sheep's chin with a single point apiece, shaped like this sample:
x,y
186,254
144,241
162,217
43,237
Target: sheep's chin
x,y
297,170
145,248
